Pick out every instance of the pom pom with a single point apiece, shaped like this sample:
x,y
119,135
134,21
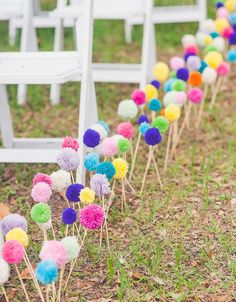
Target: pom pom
x,y
178,85
172,112
223,69
161,73
91,138
209,76
162,123
19,235
200,39
232,39
227,32
156,84
191,49
219,4
12,252
230,5
221,24
100,184
175,97
143,127
121,168
173,74
188,40
152,136
176,63
41,192
125,129
150,92
73,192
55,251
87,195
210,48
116,138
232,18
45,226
41,213
70,142
167,85
46,272
143,118
108,147
41,177
12,221
5,271
123,145
99,129
139,97
91,217
105,126
214,35
203,66
222,12
193,63
213,59
69,216
195,95
72,247
60,180
4,210
91,161
231,56
106,168
180,98
195,78
187,55
68,159
182,74
219,43
127,109
154,105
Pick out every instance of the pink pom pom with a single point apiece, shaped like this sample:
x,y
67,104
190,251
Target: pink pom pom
x,y
12,252
91,217
108,147
125,129
54,250
227,32
41,192
177,63
222,12
41,177
180,98
139,97
191,49
195,95
223,69
70,142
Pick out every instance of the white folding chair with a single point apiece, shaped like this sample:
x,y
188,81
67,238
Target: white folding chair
x,y
170,14
113,10
48,68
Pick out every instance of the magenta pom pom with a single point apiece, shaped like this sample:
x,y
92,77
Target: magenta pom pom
x,y
139,97
176,63
195,95
70,142
227,32
108,147
191,49
91,217
54,250
41,192
125,129
12,252
223,69
41,177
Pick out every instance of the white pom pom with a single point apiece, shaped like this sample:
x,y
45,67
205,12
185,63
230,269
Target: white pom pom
x,y
169,98
127,109
45,226
209,75
188,40
5,271
200,38
60,180
117,137
100,129
219,43
208,26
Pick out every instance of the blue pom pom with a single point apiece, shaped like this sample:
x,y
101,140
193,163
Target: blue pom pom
x,y
232,18
219,4
168,84
187,55
91,138
91,161
107,168
153,136
232,39
73,191
156,84
143,118
143,128
69,216
214,35
231,56
46,272
203,66
182,74
234,27
154,105
105,125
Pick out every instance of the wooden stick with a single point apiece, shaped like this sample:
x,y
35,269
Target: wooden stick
x,y
157,171
60,283
217,88
72,177
168,146
147,168
123,199
5,294
200,113
22,283
106,226
47,293
135,156
130,186
54,294
153,113
45,237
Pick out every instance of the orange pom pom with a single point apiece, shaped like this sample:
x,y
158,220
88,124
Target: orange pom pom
x,y
195,79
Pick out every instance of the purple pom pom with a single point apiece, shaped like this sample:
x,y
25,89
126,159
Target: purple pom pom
x,y
91,138
143,118
69,216
12,221
182,74
73,191
187,55
219,4
156,84
152,136
232,39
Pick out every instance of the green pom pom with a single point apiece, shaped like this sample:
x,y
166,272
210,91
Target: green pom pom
x,y
41,213
178,85
173,74
123,145
210,48
162,123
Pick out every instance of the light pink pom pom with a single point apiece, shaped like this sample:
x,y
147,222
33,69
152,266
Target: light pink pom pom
x,y
54,250
223,69
108,147
222,12
195,95
41,192
180,98
177,63
70,142
41,177
126,129
139,97
91,217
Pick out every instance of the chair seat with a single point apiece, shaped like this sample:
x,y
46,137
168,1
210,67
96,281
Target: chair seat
x,y
39,67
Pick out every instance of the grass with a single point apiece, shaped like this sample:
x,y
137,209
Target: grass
x,y
175,245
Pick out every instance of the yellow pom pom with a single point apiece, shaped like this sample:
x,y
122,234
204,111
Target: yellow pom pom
x,y
121,168
172,112
213,59
87,195
150,92
161,72
230,5
19,235
208,40
221,24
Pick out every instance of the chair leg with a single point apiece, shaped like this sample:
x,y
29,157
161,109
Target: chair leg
x,y
128,31
12,33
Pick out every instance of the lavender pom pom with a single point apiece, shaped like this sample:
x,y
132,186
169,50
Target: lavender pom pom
x,y
12,221
69,216
152,136
68,159
73,191
91,138
100,184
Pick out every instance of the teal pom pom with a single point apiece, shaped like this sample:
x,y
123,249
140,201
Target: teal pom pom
x,y
214,35
154,105
162,123
106,127
143,127
178,85
203,66
46,272
91,161
231,56
106,168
